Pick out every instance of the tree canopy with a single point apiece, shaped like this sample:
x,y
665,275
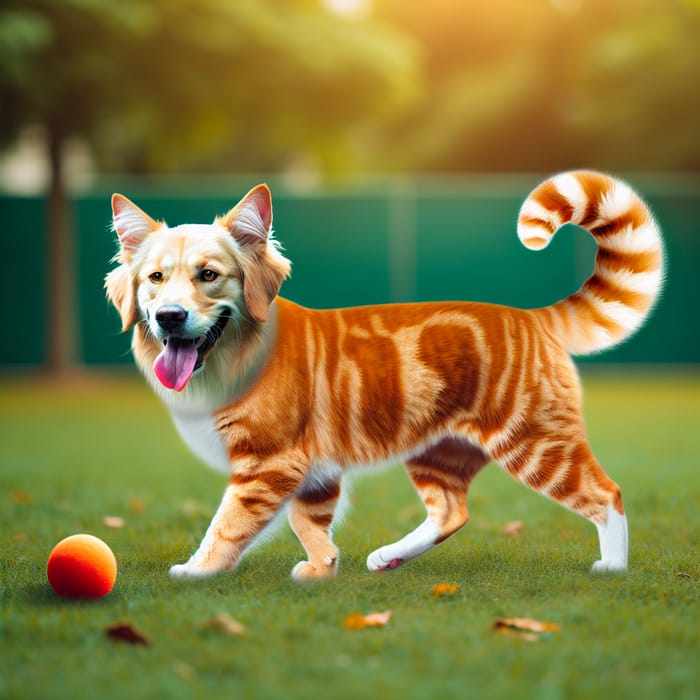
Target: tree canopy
x,y
191,86
551,84
214,85
199,84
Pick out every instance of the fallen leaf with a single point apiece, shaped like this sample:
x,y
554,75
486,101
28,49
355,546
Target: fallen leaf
x,y
122,632
526,623
343,660
568,535
113,521
443,589
520,634
524,627
375,619
136,505
184,670
513,528
192,508
21,497
224,622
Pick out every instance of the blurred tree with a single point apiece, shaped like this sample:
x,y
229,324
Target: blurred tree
x,y
157,85
551,84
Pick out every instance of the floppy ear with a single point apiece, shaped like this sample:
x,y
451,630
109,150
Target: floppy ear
x,y
131,224
262,279
121,291
264,267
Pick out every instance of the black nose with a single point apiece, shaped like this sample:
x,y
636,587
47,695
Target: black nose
x,y
171,317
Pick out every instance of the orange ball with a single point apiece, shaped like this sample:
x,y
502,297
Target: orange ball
x,y
82,566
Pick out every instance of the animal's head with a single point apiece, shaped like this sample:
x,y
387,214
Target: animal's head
x,y
186,282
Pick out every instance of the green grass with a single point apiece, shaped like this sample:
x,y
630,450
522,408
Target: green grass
x,y
71,455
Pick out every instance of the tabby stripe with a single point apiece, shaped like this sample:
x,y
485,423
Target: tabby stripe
x,y
596,188
546,468
235,540
319,493
636,262
611,291
519,459
566,483
427,479
322,520
255,504
281,483
540,223
551,199
633,218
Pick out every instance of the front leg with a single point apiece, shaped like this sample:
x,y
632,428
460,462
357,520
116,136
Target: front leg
x,y
256,493
310,516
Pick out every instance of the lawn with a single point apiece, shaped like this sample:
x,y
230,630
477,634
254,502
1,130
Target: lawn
x,y
71,455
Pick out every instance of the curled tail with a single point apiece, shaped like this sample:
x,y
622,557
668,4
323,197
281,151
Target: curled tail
x,y
628,275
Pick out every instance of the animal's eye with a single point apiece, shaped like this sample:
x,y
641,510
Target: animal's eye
x,y
156,277
208,275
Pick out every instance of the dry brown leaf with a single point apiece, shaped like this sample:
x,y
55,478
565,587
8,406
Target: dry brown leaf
x,y
524,627
136,505
123,632
113,521
21,497
225,623
513,528
375,619
526,623
443,589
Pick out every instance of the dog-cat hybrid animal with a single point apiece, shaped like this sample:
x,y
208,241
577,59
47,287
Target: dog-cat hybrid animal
x,y
284,399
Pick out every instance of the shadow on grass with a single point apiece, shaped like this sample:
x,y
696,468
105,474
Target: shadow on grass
x,y
41,595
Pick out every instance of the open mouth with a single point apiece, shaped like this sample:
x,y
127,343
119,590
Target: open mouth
x,y
182,357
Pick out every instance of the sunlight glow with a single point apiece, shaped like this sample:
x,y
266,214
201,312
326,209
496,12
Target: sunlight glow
x,y
350,9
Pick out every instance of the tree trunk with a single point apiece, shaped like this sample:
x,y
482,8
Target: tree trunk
x,y
61,325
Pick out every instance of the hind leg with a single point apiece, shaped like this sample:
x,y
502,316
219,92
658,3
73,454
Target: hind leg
x,y
441,475
613,543
568,472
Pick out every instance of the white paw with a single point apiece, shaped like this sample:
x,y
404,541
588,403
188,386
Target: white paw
x,y
188,571
377,562
608,567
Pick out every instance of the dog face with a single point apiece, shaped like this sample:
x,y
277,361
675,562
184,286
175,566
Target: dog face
x,y
185,283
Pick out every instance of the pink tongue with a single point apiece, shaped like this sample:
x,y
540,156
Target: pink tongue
x,y
174,366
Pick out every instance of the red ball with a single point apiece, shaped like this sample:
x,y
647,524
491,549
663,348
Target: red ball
x,y
82,566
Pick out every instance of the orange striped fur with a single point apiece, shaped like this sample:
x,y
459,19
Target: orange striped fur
x,y
285,399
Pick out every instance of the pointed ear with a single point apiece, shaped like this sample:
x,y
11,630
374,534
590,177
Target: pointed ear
x,y
250,220
264,267
131,224
121,291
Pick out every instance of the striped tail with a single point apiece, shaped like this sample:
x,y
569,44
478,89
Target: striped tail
x,y
628,273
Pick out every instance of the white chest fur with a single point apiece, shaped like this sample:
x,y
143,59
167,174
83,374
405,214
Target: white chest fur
x,y
199,434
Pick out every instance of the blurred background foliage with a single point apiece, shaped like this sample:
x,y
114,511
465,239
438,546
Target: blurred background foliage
x,y
542,85
340,86
202,85
313,89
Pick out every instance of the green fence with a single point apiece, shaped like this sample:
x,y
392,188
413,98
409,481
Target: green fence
x,y
394,240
